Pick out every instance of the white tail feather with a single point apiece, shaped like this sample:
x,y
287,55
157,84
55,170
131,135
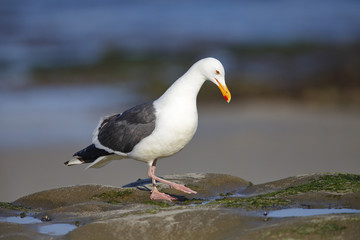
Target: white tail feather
x,y
102,161
74,161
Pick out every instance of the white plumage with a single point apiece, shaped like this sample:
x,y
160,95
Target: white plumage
x,y
155,130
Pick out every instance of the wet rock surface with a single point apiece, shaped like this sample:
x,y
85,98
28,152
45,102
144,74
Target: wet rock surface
x,y
226,207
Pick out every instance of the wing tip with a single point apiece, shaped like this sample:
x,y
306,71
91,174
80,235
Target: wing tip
x,y
74,161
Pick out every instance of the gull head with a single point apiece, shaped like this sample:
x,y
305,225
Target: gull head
x,y
213,70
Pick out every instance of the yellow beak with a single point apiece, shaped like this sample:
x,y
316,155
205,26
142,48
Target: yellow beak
x,y
225,91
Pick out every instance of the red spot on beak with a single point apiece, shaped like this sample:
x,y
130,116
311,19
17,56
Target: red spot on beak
x,y
226,98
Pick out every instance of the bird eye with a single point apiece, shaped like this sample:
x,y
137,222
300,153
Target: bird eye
x,y
217,72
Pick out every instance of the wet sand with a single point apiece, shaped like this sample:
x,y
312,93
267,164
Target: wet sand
x,y
259,142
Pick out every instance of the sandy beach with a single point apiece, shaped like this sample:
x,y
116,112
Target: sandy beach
x,y
257,141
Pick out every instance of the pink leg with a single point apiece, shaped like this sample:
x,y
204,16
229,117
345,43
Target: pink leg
x,y
156,194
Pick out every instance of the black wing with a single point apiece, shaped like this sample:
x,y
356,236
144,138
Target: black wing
x,y
121,132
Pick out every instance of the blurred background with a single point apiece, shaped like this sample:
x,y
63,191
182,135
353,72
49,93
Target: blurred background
x,y
293,68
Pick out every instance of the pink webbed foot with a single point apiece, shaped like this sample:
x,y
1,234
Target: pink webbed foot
x,y
156,195
182,188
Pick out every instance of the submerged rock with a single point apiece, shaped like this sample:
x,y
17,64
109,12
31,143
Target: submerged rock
x,y
226,207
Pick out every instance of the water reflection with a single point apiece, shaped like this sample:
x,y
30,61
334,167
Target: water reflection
x,y
55,229
300,212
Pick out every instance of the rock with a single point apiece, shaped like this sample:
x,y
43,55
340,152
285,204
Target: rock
x,y
317,227
226,207
10,231
207,185
61,197
331,190
183,223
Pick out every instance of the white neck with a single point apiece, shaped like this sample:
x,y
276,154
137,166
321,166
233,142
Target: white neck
x,y
185,89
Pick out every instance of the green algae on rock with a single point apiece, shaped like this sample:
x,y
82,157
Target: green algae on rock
x,y
326,227
207,185
159,204
258,202
338,184
61,197
103,212
11,206
113,196
335,184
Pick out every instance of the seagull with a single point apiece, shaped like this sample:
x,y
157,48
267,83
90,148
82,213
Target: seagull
x,y
157,129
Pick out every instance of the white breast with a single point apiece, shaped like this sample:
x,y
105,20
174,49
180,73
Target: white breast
x,y
175,127
176,118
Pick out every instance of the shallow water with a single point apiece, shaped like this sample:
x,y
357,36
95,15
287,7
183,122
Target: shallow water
x,y
55,229
300,212
20,220
46,32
